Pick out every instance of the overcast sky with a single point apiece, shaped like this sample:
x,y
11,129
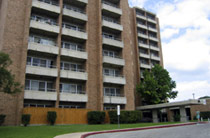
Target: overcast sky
x,y
185,35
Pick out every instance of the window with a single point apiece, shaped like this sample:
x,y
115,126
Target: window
x,y
43,19
39,62
72,66
71,88
38,85
34,85
42,40
27,84
111,72
112,91
72,46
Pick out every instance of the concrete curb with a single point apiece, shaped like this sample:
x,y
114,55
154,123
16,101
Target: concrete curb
x,y
136,129
86,134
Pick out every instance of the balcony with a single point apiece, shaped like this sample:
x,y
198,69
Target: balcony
x,y
155,57
144,55
74,53
107,22
113,42
46,5
42,71
142,35
115,99
143,65
156,48
114,61
43,48
49,27
141,16
144,45
83,1
40,95
151,20
153,38
111,8
73,97
73,74
152,29
114,79
141,26
74,12
74,32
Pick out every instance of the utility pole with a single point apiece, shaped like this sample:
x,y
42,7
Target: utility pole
x,y
193,95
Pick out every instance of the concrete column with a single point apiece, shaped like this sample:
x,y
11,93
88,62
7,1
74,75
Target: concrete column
x,y
183,114
155,116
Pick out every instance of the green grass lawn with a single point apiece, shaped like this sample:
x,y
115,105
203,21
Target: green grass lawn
x,y
52,131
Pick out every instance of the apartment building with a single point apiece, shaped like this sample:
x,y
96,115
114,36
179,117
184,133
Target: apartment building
x,y
76,53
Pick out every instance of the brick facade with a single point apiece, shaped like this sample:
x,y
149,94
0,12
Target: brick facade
x,y
14,35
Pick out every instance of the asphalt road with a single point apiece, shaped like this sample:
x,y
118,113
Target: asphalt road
x,y
193,131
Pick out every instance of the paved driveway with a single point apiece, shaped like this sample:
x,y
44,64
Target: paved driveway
x,y
193,131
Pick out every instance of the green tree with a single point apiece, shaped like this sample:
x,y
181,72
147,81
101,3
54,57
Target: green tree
x,y
7,79
204,97
157,86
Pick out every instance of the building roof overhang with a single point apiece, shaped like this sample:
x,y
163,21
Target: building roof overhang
x,y
170,105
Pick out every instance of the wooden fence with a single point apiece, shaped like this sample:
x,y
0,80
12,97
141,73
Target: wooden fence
x,y
64,116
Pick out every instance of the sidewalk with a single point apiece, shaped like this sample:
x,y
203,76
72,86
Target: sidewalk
x,y
86,134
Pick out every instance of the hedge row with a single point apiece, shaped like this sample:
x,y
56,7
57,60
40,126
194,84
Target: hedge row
x,y
126,117
98,117
2,118
205,115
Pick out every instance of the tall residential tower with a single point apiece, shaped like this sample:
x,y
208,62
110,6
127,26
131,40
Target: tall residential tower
x,y
76,53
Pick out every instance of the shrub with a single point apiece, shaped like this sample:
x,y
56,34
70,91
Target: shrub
x,y
51,117
146,120
96,117
177,118
113,117
26,119
2,118
195,118
125,117
205,115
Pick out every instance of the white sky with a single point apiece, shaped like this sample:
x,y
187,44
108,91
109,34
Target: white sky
x,y
185,35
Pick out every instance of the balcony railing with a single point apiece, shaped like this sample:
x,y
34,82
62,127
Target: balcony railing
x,y
44,20
142,62
152,18
39,40
114,75
40,89
40,65
110,4
72,92
67,26
117,57
140,14
71,69
114,94
72,46
75,9
50,2
110,20
153,36
113,38
145,53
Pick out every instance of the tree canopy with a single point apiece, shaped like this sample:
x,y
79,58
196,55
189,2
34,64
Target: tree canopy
x,y
204,97
7,79
157,86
